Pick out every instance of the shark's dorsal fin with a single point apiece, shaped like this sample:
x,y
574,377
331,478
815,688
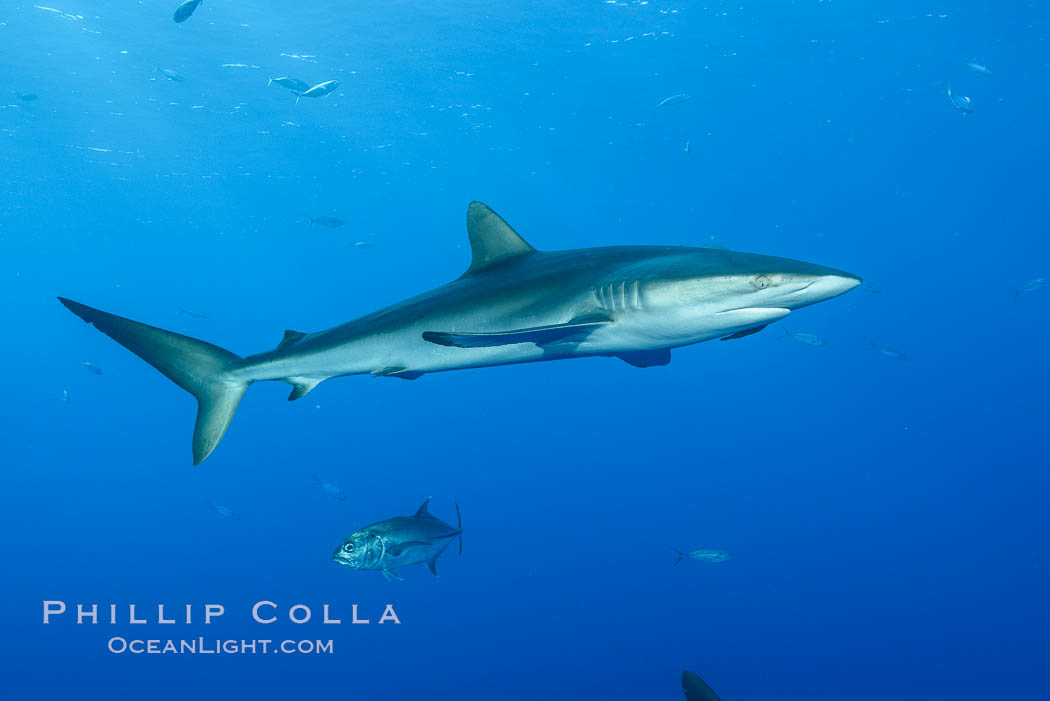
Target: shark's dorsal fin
x,y
492,240
422,512
290,337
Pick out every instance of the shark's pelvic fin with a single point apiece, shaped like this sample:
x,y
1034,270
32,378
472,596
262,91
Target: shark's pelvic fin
x,y
575,330
398,371
745,332
646,359
492,240
303,386
200,368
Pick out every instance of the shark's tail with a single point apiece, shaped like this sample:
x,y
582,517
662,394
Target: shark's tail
x,y
680,556
198,367
459,525
269,82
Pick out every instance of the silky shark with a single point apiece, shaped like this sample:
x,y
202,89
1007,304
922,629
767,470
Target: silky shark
x,y
514,304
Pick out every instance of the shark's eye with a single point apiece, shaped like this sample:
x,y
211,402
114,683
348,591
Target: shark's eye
x,y
348,547
760,282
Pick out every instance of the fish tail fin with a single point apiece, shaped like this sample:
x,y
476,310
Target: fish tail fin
x,y
297,96
680,556
317,480
459,525
269,82
200,368
310,218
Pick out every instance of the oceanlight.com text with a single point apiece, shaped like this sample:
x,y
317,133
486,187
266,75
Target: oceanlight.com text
x,y
213,646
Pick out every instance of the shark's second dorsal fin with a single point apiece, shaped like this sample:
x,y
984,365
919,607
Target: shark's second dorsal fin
x,y
422,512
290,337
492,240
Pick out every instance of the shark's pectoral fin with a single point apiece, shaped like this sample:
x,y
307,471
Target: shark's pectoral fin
x,y
303,386
745,332
433,566
573,331
646,359
390,575
400,548
398,371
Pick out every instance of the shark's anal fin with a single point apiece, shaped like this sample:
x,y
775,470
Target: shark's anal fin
x,y
290,337
646,359
492,241
303,386
745,332
398,371
575,330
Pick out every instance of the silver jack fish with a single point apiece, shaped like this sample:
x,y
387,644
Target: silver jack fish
x,y
319,90
399,542
514,304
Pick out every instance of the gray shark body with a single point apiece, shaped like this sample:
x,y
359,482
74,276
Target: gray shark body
x,y
513,305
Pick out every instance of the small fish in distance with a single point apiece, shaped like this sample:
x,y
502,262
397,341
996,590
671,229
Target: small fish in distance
x,y
319,90
886,351
289,83
960,102
224,511
806,339
1033,285
330,489
399,542
327,222
703,555
171,75
92,368
978,68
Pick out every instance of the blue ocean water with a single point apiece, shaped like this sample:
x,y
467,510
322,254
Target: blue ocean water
x,y
886,516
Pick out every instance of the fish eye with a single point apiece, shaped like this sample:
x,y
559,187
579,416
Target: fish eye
x,y
761,282
348,547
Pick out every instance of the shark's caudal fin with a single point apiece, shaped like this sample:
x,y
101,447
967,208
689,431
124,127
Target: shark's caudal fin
x,y
680,556
198,367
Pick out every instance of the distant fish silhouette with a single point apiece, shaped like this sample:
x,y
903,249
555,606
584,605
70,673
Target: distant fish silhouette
x,y
183,11
94,369
224,511
328,222
806,339
170,74
978,68
319,90
960,102
27,97
65,396
290,83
